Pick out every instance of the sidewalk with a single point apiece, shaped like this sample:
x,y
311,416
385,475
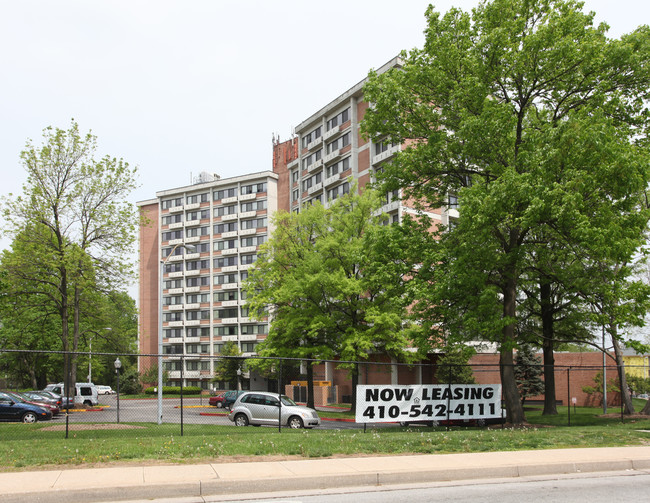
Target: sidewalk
x,y
148,482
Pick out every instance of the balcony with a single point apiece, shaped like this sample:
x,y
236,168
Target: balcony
x,y
315,143
175,307
332,156
177,209
192,323
175,225
248,214
229,303
315,165
175,274
227,218
229,200
193,272
247,197
192,223
230,234
192,306
192,289
315,188
229,251
331,133
386,155
192,206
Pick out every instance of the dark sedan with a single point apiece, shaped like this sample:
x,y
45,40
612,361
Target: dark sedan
x,y
13,410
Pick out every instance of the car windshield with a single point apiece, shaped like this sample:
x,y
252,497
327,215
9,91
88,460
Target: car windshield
x,y
287,401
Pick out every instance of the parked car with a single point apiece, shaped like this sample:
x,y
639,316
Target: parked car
x,y
217,400
13,410
643,396
85,393
230,397
104,390
62,400
259,407
39,401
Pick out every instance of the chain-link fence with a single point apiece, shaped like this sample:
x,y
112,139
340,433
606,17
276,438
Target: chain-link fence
x,y
199,389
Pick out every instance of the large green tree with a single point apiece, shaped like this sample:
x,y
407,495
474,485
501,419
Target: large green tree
x,y
536,120
335,281
72,227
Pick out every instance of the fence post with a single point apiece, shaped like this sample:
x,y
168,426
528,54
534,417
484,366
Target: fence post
x,y
182,368
568,393
448,396
280,399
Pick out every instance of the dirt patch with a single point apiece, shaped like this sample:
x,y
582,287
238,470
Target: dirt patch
x,y
101,426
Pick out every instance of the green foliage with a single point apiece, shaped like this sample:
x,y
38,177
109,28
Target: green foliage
x,y
537,121
612,385
229,369
453,366
174,390
130,381
638,384
336,281
528,372
72,231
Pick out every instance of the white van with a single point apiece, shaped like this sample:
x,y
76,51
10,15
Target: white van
x,y
85,393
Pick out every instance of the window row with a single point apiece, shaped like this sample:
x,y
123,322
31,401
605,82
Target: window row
x,y
338,167
311,181
310,137
258,329
338,191
338,119
311,159
339,143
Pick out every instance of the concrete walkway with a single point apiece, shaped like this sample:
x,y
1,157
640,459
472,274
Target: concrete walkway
x,y
223,478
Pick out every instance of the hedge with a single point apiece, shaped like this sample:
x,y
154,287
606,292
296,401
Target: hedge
x,y
174,390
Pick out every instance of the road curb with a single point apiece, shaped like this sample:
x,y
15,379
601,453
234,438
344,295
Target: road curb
x,y
214,486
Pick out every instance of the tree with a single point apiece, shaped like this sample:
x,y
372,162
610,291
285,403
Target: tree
x,y
229,369
72,228
528,372
537,121
335,281
453,367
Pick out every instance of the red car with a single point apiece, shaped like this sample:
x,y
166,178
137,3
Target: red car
x,y
217,400
21,397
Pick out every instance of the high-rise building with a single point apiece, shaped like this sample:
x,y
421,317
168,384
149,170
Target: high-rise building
x,y
202,304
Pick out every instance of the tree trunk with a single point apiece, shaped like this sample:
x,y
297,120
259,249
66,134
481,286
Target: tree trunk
x,y
355,383
628,407
310,385
514,409
550,407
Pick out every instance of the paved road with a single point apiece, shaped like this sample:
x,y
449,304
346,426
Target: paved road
x,y
594,488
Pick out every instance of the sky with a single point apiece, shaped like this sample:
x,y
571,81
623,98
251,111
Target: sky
x,y
180,87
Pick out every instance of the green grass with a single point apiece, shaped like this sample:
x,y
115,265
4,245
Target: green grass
x,y
30,446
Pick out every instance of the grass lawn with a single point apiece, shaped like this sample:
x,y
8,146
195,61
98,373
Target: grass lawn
x,y
33,446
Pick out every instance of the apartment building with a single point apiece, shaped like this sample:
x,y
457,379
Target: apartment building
x,y
202,304
196,245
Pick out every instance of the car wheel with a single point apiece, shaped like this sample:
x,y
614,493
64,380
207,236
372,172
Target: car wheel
x,y
88,403
241,420
29,418
295,422
219,405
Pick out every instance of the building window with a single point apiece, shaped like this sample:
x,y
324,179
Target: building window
x,y
198,315
453,202
226,227
255,188
174,349
253,205
310,137
172,219
295,194
225,210
383,147
252,241
173,316
198,332
218,195
338,191
226,330
339,167
311,159
173,301
225,296
197,298
177,252
248,347
199,281
169,235
172,203
295,176
225,262
226,244
338,119
173,267
248,259
172,332
224,279
197,231
229,312
197,215
172,283
197,198
339,143
255,223
196,265
254,329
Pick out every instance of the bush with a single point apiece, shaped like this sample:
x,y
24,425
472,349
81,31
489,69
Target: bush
x,y
174,390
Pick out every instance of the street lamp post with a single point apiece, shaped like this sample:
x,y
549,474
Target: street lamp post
x,y
118,366
90,352
189,248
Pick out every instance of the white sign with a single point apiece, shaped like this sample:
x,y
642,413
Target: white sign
x,y
427,402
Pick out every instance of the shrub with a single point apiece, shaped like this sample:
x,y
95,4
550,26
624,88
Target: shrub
x,y
174,390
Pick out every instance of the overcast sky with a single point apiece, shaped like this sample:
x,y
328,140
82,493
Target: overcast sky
x,y
180,87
